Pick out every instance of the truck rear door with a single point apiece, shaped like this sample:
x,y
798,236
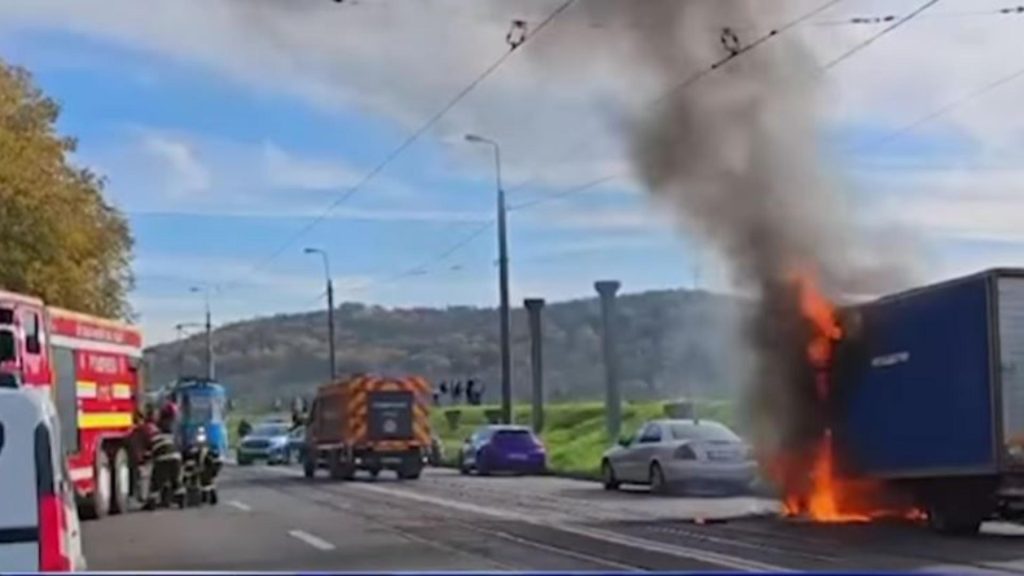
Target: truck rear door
x,y
1011,364
390,414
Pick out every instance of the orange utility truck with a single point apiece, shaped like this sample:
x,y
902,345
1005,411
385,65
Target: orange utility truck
x,y
369,423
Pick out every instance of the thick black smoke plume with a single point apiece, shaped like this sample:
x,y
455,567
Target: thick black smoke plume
x,y
737,156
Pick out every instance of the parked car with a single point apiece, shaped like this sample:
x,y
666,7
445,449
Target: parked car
x,y
267,442
502,448
39,527
680,454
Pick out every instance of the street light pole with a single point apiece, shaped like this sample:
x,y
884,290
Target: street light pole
x,y
330,307
210,369
180,328
506,352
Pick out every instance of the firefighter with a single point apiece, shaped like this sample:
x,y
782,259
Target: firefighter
x,y
209,467
166,459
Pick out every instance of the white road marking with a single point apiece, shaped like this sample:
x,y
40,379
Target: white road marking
x,y
315,542
240,505
716,558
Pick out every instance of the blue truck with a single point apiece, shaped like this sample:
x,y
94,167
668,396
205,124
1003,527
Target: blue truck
x,y
929,397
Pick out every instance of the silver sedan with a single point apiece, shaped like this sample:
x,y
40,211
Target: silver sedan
x,y
668,454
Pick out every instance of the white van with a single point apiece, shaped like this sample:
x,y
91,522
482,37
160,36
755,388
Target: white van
x,y
39,528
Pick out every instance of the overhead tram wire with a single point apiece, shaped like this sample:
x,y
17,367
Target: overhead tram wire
x,y
888,18
677,87
686,83
875,37
697,76
943,110
412,138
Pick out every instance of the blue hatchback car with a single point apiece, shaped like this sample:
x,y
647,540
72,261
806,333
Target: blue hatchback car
x,y
503,448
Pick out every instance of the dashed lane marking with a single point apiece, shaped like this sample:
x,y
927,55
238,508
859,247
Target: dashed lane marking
x,y
240,505
314,541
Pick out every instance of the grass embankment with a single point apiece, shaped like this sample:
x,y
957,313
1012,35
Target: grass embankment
x,y
574,434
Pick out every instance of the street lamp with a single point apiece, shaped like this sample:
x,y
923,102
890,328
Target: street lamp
x,y
330,306
205,290
506,353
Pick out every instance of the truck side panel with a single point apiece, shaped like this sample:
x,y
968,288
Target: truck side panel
x,y
914,384
1011,352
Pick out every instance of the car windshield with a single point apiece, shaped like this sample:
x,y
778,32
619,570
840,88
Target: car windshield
x,y
270,430
201,408
513,437
707,432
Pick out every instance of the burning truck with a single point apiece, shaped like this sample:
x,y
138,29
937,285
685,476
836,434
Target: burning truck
x,y
921,404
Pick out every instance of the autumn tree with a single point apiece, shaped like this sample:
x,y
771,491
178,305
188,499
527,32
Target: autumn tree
x,y
59,238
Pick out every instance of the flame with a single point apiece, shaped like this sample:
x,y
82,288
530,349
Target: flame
x,y
813,487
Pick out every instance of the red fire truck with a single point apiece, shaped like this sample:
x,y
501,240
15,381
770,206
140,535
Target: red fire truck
x,y
91,368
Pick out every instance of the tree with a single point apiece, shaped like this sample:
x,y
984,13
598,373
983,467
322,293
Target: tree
x,y
61,240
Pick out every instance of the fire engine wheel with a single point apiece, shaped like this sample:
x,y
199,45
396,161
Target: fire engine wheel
x,y
309,467
121,482
340,470
97,504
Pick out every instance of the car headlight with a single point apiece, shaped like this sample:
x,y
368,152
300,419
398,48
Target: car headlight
x,y
200,436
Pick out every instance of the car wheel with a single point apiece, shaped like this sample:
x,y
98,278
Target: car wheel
x,y
481,467
657,479
608,476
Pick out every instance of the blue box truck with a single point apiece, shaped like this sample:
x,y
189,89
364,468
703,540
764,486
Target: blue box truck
x,y
929,396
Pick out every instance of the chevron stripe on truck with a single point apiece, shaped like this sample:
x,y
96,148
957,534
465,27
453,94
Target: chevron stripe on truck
x,y
370,423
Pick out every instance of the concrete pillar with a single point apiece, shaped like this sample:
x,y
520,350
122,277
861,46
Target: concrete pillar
x,y
613,397
533,308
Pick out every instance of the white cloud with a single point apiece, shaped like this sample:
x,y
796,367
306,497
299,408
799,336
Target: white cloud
x,y
285,170
184,170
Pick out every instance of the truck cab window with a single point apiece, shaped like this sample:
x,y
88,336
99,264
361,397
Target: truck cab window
x,y
8,346
33,343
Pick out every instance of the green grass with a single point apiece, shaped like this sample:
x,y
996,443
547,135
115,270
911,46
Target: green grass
x,y
573,433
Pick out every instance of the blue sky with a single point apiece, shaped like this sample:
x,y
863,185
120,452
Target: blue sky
x,y
222,138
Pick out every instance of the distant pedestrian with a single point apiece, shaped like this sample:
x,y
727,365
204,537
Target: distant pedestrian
x,y
244,428
457,392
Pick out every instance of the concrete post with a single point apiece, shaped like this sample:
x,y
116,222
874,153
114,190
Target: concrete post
x,y
613,398
533,308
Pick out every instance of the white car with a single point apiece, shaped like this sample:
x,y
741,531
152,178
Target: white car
x,y
39,529
668,454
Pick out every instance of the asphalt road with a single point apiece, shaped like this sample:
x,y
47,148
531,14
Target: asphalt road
x,y
273,519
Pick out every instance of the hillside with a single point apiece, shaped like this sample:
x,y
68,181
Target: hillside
x,y
671,343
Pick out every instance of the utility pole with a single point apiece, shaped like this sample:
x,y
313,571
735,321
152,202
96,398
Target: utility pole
x,y
505,312
330,308
533,308
613,398
211,372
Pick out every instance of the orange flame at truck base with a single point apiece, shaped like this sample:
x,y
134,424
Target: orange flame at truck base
x,y
813,487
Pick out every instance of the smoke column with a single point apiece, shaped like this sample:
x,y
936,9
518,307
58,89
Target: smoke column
x,y
737,157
